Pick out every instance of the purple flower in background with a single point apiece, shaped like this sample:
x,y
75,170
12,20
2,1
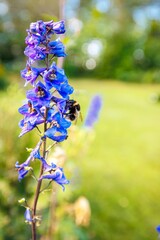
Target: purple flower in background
x,y
93,111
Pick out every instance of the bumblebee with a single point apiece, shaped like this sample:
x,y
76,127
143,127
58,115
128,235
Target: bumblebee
x,y
73,110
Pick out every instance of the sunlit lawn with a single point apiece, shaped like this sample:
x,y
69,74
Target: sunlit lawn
x,y
122,172
120,175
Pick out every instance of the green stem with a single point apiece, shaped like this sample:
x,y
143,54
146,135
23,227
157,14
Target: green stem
x,y
51,229
38,189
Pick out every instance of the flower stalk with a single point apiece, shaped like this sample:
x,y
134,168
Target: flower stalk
x,y
39,182
48,103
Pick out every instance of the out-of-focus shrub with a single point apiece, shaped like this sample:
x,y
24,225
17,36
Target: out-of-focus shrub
x,y
3,78
104,49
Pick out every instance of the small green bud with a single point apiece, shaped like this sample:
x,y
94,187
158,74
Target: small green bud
x,y
29,149
22,200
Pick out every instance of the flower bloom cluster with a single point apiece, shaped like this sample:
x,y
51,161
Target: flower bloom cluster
x,y
48,101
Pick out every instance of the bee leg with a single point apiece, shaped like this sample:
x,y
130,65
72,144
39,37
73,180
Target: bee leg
x,y
81,117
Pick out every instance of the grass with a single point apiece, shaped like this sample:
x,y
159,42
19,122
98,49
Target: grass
x,y
120,173
123,165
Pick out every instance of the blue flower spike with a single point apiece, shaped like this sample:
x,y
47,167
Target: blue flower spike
x,y
48,109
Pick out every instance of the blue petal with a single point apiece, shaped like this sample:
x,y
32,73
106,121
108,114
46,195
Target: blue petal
x,y
27,215
24,109
21,170
26,127
61,134
65,90
47,167
58,176
158,228
50,132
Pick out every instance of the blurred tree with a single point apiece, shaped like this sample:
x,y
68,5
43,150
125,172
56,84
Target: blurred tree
x,y
152,46
125,47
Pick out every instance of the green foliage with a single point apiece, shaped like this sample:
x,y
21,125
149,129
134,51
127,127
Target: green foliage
x,y
151,46
68,230
118,56
3,78
129,53
123,163
3,82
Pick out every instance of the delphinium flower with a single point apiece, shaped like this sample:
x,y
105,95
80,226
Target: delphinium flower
x,y
54,173
47,103
27,215
93,111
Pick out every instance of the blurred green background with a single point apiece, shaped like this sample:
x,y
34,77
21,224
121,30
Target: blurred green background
x,y
113,49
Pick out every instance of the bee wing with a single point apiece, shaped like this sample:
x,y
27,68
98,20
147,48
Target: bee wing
x,y
78,115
